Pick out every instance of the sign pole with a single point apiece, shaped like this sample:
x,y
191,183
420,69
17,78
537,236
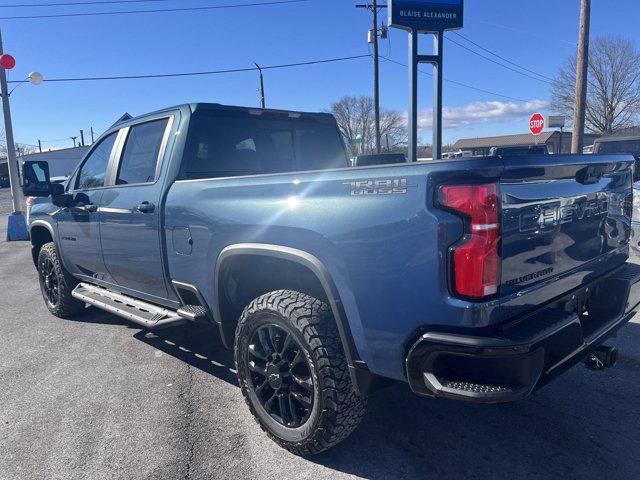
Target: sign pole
x,y
432,17
415,59
413,96
437,95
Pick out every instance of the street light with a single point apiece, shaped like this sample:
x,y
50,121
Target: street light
x,y
35,78
16,226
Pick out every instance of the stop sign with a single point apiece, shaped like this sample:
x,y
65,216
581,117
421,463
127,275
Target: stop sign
x,y
536,124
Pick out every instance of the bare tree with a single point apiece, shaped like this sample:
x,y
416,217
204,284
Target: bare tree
x,y
613,91
355,117
21,149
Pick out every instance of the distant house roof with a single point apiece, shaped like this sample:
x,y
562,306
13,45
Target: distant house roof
x,y
502,141
61,162
522,139
126,116
62,153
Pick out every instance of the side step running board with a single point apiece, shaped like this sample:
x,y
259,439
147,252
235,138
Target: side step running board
x,y
145,314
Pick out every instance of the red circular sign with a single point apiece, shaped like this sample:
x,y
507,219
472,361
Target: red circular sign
x,y
7,62
536,124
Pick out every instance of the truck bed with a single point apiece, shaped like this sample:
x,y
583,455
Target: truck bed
x,y
385,243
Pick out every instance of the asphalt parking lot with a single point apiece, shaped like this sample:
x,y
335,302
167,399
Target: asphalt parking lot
x,y
98,398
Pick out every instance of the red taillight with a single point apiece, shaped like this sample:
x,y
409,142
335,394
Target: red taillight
x,y
475,260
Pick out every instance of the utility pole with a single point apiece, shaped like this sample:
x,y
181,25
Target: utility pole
x,y
376,74
82,138
376,69
577,140
12,161
262,101
74,141
39,146
92,135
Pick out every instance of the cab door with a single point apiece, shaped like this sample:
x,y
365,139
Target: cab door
x,y
130,227
78,225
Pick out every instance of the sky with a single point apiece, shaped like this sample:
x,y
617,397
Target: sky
x,y
539,35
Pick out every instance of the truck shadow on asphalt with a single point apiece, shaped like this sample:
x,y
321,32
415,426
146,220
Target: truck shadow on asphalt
x,y
583,425
197,345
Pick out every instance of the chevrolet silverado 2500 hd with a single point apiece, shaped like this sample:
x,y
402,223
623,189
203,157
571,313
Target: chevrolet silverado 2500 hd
x,y
476,279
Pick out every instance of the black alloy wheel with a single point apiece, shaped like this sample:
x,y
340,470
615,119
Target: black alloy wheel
x,y
56,284
50,282
293,372
280,376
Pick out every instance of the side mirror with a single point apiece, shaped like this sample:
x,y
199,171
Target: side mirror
x,y
36,181
59,197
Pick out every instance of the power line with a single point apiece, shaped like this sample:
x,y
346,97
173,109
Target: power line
x,y
498,63
518,30
157,10
266,67
455,82
211,72
500,57
65,4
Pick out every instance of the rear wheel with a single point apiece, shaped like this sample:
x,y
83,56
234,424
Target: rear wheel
x,y
293,372
56,284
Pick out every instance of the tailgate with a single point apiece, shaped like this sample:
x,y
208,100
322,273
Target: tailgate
x,y
565,220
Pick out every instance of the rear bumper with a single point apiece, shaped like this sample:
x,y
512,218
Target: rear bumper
x,y
513,362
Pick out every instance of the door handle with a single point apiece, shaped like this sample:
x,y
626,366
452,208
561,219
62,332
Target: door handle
x,y
89,207
146,207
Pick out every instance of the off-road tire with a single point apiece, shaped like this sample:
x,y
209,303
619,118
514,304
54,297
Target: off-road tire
x,y
337,409
65,306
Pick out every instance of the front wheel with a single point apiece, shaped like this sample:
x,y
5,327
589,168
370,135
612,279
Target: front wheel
x,y
293,372
56,283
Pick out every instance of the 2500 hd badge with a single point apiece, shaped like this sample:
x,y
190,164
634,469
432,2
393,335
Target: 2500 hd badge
x,y
395,186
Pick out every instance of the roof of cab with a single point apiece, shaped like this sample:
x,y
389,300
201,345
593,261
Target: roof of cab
x,y
260,111
194,107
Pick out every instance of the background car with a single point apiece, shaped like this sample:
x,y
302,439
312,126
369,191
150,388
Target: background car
x,y
379,159
519,150
623,145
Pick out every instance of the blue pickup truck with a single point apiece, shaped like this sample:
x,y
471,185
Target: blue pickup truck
x,y
477,279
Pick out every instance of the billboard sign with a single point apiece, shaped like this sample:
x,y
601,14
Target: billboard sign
x,y
426,15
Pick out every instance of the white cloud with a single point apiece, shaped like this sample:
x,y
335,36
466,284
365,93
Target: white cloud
x,y
481,113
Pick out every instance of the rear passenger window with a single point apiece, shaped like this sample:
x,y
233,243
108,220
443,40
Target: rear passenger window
x,y
94,168
227,146
140,155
